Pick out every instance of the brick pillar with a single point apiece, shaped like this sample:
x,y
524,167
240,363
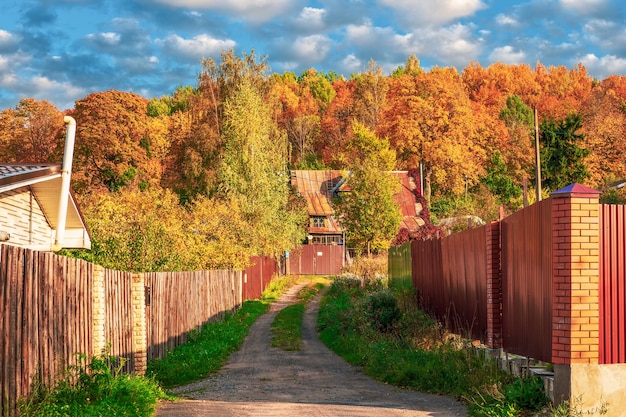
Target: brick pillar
x,y
139,323
494,287
98,306
575,270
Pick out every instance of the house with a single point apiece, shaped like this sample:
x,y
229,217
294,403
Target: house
x,y
30,206
319,187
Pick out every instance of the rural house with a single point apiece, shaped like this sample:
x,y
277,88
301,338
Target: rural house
x,y
319,187
30,196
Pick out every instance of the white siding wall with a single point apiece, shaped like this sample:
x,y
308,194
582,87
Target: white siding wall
x,y
22,218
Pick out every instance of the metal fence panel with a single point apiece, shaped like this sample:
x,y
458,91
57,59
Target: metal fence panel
x,y
612,284
527,281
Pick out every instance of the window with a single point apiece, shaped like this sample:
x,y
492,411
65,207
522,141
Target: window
x,y
318,222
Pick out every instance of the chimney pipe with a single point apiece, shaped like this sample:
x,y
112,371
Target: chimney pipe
x,y
66,172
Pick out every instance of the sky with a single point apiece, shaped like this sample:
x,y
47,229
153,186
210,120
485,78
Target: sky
x,y
63,50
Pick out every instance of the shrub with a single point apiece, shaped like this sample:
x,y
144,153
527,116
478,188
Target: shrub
x,y
382,310
527,393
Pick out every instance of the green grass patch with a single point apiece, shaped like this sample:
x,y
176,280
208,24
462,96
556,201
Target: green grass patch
x,y
385,333
94,389
287,328
287,325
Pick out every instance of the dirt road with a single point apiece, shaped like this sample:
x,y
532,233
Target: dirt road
x,y
263,381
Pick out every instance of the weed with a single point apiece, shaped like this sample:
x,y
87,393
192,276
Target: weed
x,y
94,389
527,393
573,409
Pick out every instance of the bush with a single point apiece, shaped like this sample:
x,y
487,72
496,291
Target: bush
x,y
382,310
94,389
527,393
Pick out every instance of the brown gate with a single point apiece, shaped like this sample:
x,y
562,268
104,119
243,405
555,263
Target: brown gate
x,y
316,260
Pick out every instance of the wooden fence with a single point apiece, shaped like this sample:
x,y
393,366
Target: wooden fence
x,y
53,308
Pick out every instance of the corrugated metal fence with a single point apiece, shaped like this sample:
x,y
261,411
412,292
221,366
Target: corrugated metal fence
x,y
612,284
452,277
53,307
526,245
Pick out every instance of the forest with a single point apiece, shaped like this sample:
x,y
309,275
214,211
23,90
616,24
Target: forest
x,y
198,179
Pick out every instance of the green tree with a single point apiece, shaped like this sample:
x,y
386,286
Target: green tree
x,y
562,159
254,173
369,213
499,182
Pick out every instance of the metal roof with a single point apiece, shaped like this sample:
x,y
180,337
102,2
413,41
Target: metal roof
x,y
317,189
44,180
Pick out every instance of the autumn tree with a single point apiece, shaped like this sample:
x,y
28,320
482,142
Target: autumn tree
x,y
604,129
429,120
369,213
336,125
32,132
254,173
117,144
562,158
370,93
297,112
195,157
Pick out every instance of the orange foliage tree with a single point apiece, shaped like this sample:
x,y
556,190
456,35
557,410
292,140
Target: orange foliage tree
x,y
429,120
33,132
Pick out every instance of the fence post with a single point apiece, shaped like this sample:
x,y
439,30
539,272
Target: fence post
x,y
575,271
140,343
99,341
494,286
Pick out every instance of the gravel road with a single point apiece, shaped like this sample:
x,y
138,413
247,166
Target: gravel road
x,y
260,380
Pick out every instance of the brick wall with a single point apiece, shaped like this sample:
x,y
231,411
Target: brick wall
x,y
575,231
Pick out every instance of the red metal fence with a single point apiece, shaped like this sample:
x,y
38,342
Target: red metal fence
x,y
612,284
526,244
451,277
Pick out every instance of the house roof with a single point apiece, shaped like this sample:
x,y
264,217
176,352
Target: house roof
x,y
410,208
44,180
317,188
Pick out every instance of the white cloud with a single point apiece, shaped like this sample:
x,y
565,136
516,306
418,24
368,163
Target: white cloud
x,y
201,46
605,66
430,12
311,18
507,55
351,63
582,7
106,38
8,39
256,11
505,20
453,45
311,49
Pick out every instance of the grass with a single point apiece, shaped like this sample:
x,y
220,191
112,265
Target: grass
x,y
94,389
393,341
287,325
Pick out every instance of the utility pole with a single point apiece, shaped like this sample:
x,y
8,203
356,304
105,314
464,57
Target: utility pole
x,y
537,158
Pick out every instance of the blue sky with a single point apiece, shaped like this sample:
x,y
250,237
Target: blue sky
x,y
62,50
